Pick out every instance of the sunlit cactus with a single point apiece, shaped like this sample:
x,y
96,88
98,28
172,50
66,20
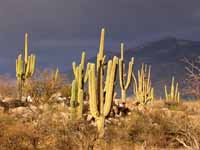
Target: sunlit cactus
x,y
56,75
142,87
24,68
124,85
101,91
174,95
77,92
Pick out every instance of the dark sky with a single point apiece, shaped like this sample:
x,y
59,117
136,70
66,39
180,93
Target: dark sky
x,y
60,29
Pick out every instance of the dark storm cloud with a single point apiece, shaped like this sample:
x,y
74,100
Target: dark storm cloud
x,y
75,24
75,18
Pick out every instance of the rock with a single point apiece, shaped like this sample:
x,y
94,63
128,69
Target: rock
x,y
57,98
12,103
22,111
89,117
44,107
93,123
7,99
108,121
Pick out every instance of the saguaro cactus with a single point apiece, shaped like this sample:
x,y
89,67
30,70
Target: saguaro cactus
x,y
56,75
24,68
77,92
142,87
124,86
174,95
100,92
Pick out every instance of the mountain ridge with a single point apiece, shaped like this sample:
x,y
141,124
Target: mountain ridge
x,y
166,58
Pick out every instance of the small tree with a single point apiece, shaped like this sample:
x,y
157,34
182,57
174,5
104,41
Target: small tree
x,y
193,76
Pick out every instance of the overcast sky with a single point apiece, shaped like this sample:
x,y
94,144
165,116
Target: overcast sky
x,y
60,29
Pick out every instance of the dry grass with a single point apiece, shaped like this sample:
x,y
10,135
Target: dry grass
x,y
152,127
7,86
155,127
51,130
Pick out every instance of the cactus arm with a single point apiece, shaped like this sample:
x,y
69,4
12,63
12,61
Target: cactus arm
x,y
74,68
83,59
32,64
166,94
149,76
176,91
26,48
122,51
172,89
109,94
109,71
87,73
92,92
121,74
100,55
101,47
130,69
56,75
135,84
19,67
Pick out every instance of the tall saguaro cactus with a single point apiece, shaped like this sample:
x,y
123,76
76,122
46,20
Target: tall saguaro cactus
x,y
101,92
77,92
24,68
142,87
174,95
124,86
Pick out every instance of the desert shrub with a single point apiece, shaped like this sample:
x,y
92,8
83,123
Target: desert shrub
x,y
193,77
7,86
43,86
15,135
164,130
51,130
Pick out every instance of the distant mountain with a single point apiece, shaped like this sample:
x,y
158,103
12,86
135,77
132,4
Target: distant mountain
x,y
165,56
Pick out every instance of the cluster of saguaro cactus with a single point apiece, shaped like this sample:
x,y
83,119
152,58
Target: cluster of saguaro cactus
x,y
174,95
77,91
24,68
100,92
142,87
124,85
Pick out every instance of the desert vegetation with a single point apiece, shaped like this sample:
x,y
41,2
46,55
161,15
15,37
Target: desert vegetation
x,y
40,110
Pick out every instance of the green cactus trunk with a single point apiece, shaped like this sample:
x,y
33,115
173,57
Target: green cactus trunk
x,y
80,104
73,101
101,91
77,93
24,69
124,85
142,88
19,87
123,95
100,121
174,95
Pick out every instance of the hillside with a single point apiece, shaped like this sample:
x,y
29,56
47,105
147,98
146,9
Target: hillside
x,y
165,56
